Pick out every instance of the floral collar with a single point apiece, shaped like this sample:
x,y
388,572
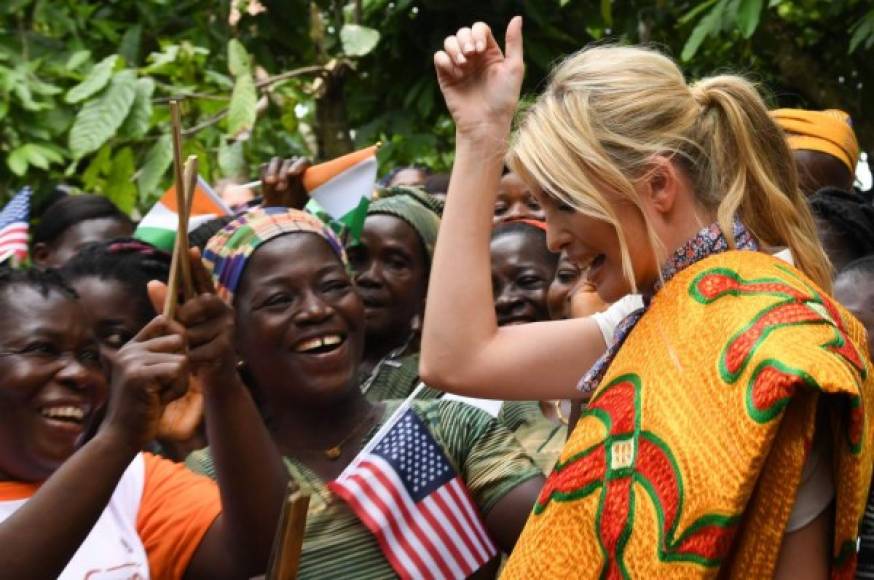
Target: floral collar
x,y
706,242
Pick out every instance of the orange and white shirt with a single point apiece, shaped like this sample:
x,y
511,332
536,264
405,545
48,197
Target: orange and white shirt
x,y
151,527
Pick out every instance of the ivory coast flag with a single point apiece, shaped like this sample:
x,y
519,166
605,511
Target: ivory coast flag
x,y
342,188
158,227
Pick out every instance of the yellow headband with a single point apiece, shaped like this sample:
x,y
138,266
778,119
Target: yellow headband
x,y
827,131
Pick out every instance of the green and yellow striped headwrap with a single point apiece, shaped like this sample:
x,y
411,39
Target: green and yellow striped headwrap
x,y
227,252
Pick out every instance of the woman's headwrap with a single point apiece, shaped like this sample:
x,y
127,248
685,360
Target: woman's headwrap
x,y
417,208
829,131
227,252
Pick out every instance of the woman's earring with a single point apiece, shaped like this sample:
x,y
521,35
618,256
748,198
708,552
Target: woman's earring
x,y
241,365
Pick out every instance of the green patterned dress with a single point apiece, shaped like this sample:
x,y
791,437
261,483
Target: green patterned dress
x,y
336,543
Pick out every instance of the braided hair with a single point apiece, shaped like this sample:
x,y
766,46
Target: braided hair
x,y
43,281
131,262
845,223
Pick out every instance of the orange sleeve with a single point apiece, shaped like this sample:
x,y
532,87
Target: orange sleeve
x,y
176,510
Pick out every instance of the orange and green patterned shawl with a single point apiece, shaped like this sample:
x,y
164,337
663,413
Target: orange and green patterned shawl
x,y
688,458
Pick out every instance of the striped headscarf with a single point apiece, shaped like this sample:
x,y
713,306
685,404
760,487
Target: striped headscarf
x,y
227,252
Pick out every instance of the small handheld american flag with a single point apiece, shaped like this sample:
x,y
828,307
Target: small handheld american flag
x,y
403,488
14,226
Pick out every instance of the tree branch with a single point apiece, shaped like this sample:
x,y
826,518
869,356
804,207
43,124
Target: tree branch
x,y
261,86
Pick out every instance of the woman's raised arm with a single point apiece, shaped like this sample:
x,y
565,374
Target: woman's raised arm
x,y
463,350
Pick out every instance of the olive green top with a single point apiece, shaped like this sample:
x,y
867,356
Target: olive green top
x,y
541,437
395,377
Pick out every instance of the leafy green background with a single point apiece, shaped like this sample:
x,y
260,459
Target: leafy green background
x,y
84,85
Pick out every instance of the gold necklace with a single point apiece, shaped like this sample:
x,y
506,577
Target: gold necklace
x,y
335,451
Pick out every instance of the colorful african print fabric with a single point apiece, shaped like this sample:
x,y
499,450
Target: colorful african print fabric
x,y
687,460
228,251
706,242
336,543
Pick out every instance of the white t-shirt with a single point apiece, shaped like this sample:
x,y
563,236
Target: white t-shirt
x,y
113,549
153,523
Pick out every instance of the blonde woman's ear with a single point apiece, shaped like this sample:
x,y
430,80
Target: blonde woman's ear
x,y
665,184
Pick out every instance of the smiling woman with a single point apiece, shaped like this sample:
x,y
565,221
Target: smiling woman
x,y
391,265
70,509
668,188
111,279
300,333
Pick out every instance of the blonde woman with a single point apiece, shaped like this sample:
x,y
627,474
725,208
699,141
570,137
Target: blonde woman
x,y
700,452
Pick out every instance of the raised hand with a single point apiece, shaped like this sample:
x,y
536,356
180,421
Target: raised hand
x,y
208,323
479,82
148,373
282,182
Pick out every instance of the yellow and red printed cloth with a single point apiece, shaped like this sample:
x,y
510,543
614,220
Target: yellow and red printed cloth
x,y
688,458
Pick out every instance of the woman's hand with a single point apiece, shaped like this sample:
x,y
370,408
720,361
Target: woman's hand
x,y
148,373
282,182
208,323
479,82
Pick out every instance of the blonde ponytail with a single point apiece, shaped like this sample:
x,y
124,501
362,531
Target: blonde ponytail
x,y
608,110
752,166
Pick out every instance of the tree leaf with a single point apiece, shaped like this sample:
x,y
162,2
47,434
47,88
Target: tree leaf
x,y
242,113
748,14
709,23
129,47
17,161
230,159
239,62
120,188
358,40
77,59
863,31
136,125
607,12
96,80
101,117
157,161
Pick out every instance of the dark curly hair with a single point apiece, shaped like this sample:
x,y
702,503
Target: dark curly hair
x,y
131,262
43,281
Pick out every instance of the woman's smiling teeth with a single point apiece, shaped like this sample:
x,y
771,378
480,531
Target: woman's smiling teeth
x,y
65,413
319,344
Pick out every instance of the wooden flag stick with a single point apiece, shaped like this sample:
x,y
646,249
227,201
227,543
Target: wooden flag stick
x,y
190,184
172,298
288,544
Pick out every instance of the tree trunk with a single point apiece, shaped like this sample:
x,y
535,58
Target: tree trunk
x,y
332,127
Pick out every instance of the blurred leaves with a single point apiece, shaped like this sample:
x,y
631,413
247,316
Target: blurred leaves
x,y
84,85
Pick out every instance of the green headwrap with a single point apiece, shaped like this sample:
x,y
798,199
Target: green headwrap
x,y
415,207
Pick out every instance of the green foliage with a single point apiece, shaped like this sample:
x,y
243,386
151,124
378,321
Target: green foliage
x,y
84,85
100,117
97,78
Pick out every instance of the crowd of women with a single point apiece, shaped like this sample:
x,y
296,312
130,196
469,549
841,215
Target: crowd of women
x,y
644,334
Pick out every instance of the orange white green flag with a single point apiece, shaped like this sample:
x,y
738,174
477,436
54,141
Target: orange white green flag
x,y
340,190
158,227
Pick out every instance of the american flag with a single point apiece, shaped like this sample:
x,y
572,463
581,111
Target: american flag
x,y
407,493
13,227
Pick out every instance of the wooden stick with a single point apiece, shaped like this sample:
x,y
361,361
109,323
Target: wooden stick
x,y
172,298
190,184
288,544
